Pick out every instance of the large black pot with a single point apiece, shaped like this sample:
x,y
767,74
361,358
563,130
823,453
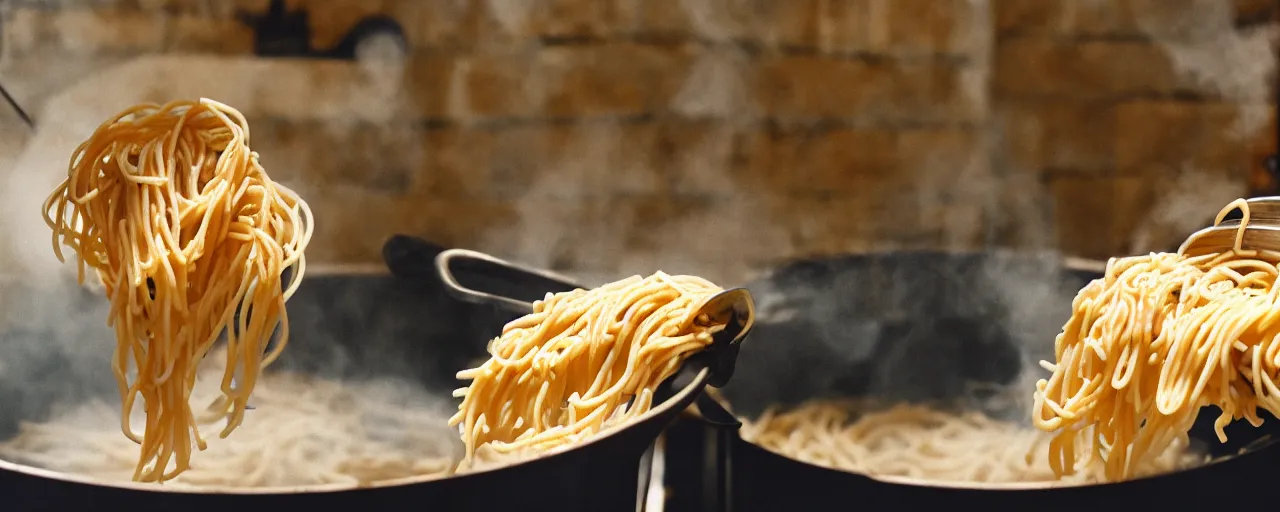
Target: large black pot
x,y
344,325
911,327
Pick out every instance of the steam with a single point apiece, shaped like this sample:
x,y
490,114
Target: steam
x,y
611,195
606,203
1182,208
1215,58
55,346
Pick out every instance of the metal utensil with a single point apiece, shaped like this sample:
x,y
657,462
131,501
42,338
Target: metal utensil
x,y
411,258
1262,232
8,98
500,283
734,307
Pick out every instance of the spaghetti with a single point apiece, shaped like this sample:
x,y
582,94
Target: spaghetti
x,y
582,362
190,239
306,430
1153,341
923,442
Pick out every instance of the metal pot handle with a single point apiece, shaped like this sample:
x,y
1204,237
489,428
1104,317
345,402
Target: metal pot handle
x,y
735,306
507,280
1084,264
719,429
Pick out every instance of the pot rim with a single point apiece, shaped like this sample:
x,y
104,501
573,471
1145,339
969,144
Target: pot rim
x,y
694,386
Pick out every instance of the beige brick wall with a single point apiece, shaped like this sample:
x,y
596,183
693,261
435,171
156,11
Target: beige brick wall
x,y
1137,115
719,136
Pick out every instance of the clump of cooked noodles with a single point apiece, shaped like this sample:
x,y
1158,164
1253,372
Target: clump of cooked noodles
x,y
581,362
924,442
305,430
190,238
1152,342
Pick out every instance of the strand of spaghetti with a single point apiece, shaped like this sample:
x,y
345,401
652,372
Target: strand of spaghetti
x,y
172,210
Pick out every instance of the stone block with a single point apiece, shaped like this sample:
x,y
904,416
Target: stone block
x,y
846,26
1171,20
824,225
1078,136
1020,213
1030,17
606,231
929,27
1018,144
1255,11
718,20
545,162
1262,145
195,34
831,162
342,237
1034,67
944,157
612,79
1156,210
442,23
461,161
699,159
604,80
331,20
574,18
802,89
904,27
853,161
83,31
1083,209
1154,135
384,158
432,88
1167,20
496,85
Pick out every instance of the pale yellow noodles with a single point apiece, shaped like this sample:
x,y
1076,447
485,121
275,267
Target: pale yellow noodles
x,y
922,442
305,431
1153,341
583,361
173,211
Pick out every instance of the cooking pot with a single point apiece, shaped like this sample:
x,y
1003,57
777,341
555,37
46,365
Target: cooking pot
x,y
344,325
910,327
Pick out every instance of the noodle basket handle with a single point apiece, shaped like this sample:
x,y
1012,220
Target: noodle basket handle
x,y
508,285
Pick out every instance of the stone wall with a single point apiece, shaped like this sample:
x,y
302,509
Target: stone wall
x,y
709,136
1138,116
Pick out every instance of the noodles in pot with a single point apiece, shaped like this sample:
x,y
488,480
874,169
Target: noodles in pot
x,y
190,237
1153,341
924,442
581,362
305,431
